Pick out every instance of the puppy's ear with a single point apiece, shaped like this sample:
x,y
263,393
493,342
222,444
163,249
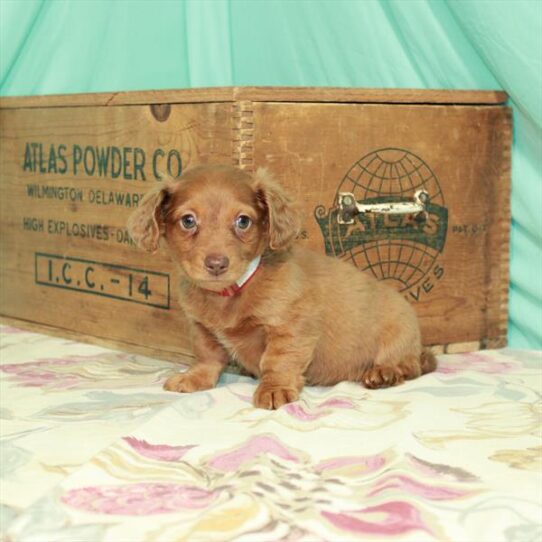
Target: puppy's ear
x,y
146,223
282,212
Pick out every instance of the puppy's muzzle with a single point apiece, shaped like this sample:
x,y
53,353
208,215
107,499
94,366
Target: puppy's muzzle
x,y
216,264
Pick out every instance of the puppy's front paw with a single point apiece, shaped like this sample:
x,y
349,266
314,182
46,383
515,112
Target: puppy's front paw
x,y
273,397
188,382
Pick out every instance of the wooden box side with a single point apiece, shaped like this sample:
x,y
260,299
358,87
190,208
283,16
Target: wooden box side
x,y
69,179
463,157
311,147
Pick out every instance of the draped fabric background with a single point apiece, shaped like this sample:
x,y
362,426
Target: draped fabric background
x,y
63,46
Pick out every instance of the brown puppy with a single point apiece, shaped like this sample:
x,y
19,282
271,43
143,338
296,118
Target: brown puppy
x,y
287,315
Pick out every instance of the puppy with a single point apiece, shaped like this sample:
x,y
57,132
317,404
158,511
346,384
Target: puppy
x,y
287,315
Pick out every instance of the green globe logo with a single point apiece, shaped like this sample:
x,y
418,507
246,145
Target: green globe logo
x,y
397,248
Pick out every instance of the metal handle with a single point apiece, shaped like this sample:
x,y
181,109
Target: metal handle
x,y
349,207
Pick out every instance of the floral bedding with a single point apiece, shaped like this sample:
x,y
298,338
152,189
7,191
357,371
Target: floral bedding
x,y
93,450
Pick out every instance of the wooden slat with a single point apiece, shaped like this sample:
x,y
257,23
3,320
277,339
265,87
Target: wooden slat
x,y
144,97
370,95
182,357
461,348
498,244
259,94
187,357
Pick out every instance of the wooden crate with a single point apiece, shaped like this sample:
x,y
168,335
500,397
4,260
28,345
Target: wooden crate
x,y
73,167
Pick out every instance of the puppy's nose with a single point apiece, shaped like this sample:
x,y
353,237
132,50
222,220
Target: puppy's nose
x,y
216,264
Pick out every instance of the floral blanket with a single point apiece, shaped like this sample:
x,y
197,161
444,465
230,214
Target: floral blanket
x,y
93,450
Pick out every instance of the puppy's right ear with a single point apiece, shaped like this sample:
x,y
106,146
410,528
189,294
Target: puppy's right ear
x,y
146,223
282,212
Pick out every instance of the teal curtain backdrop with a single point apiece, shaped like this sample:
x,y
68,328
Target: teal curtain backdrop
x,y
59,46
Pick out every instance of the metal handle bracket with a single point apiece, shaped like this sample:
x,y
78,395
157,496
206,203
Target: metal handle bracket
x,y
349,208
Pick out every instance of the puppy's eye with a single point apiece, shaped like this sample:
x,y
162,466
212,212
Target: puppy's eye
x,y
243,222
188,222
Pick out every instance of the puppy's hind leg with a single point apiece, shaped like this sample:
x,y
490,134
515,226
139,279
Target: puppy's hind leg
x,y
385,373
428,361
400,355
399,358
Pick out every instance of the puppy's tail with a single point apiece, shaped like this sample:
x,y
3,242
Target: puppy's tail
x,y
428,361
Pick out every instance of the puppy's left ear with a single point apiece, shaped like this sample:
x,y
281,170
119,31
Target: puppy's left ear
x,y
146,223
282,212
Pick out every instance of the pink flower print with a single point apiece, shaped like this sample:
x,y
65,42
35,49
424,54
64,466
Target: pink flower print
x,y
161,452
337,402
254,447
404,484
42,373
296,410
8,330
363,465
392,518
474,361
139,499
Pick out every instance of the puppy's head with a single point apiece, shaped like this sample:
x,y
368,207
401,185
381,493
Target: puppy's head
x,y
216,220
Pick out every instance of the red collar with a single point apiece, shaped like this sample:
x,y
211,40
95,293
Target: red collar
x,y
235,288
